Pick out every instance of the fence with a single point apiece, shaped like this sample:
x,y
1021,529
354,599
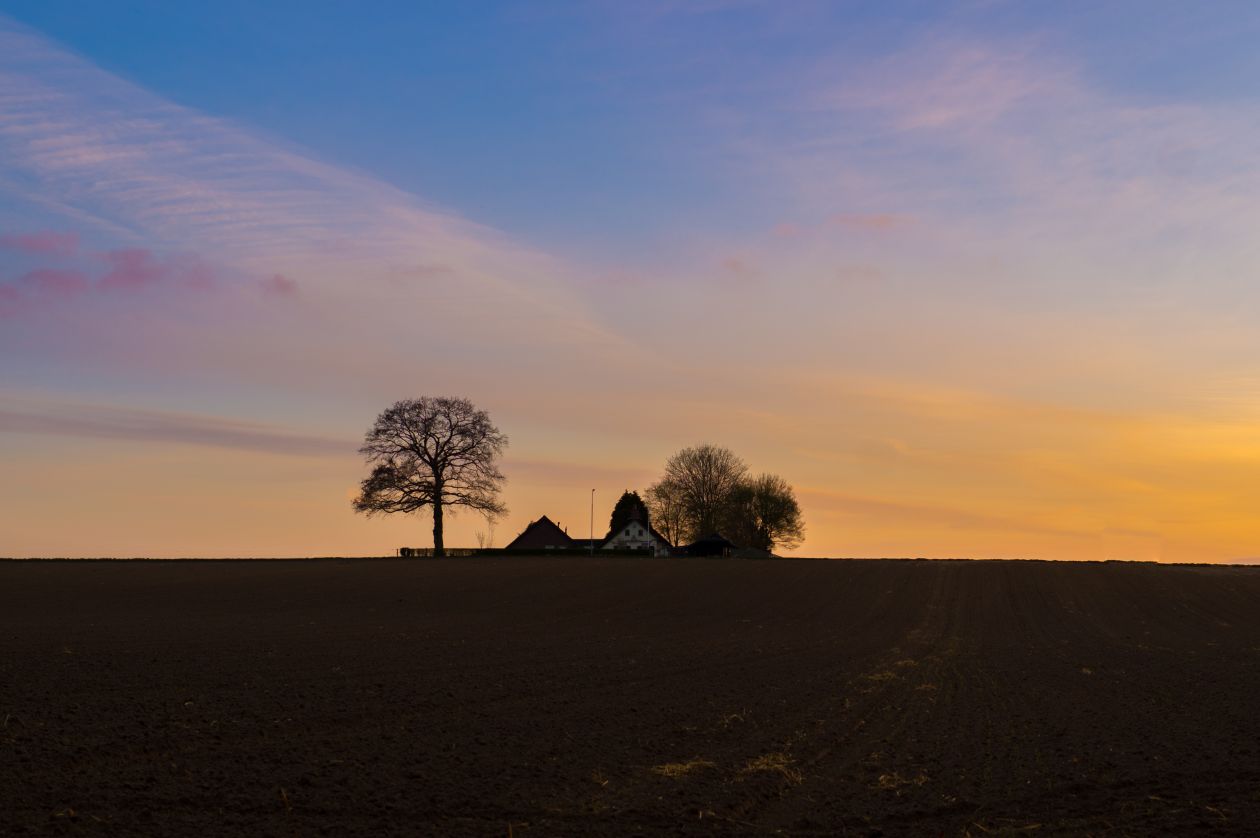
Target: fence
x,y
427,552
463,552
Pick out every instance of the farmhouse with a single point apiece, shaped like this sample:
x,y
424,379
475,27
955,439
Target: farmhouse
x,y
545,534
636,535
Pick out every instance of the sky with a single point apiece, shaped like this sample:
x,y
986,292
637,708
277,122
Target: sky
x,y
978,278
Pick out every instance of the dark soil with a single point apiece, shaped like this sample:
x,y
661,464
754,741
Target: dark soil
x,y
538,697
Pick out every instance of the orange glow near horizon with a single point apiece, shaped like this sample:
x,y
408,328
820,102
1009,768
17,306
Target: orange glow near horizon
x,y
879,472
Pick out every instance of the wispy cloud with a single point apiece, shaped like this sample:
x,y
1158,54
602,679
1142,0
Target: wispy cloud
x,y
194,200
158,427
895,511
967,85
880,222
572,474
103,148
279,285
1014,133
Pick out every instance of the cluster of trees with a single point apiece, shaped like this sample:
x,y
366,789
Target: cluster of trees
x,y
435,453
708,489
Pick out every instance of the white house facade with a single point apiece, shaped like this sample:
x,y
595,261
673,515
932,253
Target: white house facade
x,y
636,536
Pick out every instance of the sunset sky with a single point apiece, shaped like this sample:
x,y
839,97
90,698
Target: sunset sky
x,y
979,279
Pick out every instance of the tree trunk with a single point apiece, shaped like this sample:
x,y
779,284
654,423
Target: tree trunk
x,y
439,549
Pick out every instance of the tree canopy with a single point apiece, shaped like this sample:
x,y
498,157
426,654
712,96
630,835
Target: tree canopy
x,y
699,481
432,453
668,516
762,512
628,507
706,489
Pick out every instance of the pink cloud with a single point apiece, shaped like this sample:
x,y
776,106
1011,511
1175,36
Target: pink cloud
x,y
194,274
43,284
131,269
128,271
786,230
44,243
739,267
137,268
957,85
9,299
279,285
859,274
49,282
877,222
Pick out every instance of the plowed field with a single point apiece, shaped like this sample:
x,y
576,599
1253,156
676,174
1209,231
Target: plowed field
x,y
538,697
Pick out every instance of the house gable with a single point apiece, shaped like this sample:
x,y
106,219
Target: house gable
x,y
637,535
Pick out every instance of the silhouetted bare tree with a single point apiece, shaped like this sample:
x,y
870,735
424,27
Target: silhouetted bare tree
x,y
432,452
762,512
698,483
666,513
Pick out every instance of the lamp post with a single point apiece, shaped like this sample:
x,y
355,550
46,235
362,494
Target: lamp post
x,y
592,523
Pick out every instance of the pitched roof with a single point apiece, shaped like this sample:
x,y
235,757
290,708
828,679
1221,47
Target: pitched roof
x,y
662,539
711,544
540,534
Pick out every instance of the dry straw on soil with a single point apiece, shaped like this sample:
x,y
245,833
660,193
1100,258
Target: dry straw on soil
x,y
681,769
779,763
